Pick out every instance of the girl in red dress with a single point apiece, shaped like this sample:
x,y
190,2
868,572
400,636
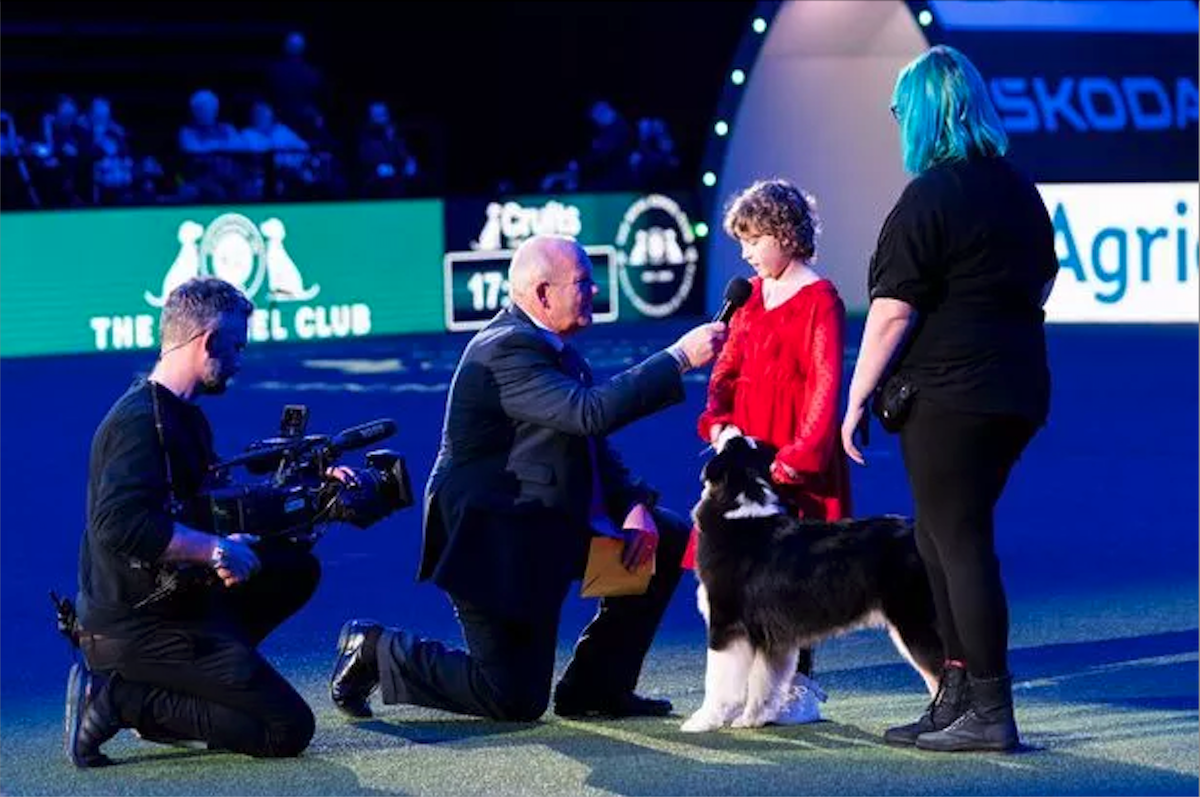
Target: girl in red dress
x,y
779,377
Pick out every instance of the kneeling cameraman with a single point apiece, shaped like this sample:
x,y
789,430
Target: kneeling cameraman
x,y
180,664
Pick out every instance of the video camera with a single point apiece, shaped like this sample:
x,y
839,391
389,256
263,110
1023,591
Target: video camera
x,y
298,496
294,503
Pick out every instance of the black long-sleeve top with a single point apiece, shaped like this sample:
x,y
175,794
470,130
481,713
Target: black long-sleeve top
x,y
129,523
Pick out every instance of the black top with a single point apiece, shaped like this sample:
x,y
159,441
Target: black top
x,y
971,246
129,524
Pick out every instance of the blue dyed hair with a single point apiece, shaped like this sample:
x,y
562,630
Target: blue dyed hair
x,y
944,111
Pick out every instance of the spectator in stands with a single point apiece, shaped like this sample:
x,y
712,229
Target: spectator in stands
x,y
387,165
296,86
607,163
208,145
101,126
284,158
204,132
112,167
268,134
63,130
653,163
17,190
327,162
10,142
64,164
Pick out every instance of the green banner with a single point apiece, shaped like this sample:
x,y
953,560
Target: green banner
x,y
644,250
82,281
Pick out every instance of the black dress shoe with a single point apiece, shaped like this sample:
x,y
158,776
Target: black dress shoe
x,y
91,718
356,671
610,707
164,738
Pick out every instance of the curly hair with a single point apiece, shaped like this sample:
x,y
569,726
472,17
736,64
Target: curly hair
x,y
779,209
196,306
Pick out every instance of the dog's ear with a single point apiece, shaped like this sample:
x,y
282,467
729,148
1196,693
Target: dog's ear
x,y
728,433
716,470
765,450
764,455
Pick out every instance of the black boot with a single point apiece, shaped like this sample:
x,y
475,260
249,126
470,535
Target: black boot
x,y
356,671
987,725
91,717
947,705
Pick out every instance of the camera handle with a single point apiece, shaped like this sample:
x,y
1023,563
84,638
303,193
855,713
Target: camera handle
x,y
66,618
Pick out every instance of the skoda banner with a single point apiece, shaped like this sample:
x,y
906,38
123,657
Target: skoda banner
x,y
96,280
1101,105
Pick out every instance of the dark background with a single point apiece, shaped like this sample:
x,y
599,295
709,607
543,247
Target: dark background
x,y
492,91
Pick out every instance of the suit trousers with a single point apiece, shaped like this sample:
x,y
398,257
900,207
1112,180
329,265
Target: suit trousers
x,y
506,671
206,680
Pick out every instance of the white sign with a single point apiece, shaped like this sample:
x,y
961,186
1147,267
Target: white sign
x,y
656,250
510,223
1127,252
248,256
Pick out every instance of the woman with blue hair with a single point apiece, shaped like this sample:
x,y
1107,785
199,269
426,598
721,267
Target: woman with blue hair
x,y
954,354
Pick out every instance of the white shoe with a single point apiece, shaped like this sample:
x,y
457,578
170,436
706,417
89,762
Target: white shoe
x,y
804,704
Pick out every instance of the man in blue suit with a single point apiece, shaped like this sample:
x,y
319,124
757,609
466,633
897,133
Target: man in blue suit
x,y
523,480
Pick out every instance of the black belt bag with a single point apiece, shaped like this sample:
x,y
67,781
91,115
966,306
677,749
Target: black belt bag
x,y
893,401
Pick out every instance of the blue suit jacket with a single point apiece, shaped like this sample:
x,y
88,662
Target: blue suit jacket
x,y
506,515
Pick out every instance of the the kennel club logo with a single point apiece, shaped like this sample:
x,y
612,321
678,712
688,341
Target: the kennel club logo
x,y
656,255
233,248
254,258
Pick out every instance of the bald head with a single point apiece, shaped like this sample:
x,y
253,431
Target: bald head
x,y
542,258
550,278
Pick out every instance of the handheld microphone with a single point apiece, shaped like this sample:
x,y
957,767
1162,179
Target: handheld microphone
x,y
362,435
736,294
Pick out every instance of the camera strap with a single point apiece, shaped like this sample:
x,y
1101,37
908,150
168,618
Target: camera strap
x,y
173,505
168,578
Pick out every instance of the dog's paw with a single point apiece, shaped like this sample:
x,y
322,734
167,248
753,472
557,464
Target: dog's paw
x,y
701,722
751,719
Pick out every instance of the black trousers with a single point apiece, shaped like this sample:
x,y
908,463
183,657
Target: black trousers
x,y
206,680
958,464
505,673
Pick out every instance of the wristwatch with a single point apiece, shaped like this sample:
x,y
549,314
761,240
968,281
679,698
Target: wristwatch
x,y
219,553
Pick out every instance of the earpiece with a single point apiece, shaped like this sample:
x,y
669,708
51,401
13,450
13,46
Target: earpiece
x,y
207,345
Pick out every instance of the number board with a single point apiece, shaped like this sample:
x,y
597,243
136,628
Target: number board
x,y
476,286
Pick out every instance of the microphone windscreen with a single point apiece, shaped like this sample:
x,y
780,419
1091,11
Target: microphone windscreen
x,y
737,291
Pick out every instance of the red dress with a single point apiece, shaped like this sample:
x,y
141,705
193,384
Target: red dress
x,y
779,379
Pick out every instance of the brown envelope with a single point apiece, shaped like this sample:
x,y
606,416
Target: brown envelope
x,y
605,576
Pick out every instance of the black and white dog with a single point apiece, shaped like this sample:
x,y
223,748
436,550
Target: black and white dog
x,y
771,583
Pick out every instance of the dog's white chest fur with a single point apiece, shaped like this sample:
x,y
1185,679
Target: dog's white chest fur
x,y
749,508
